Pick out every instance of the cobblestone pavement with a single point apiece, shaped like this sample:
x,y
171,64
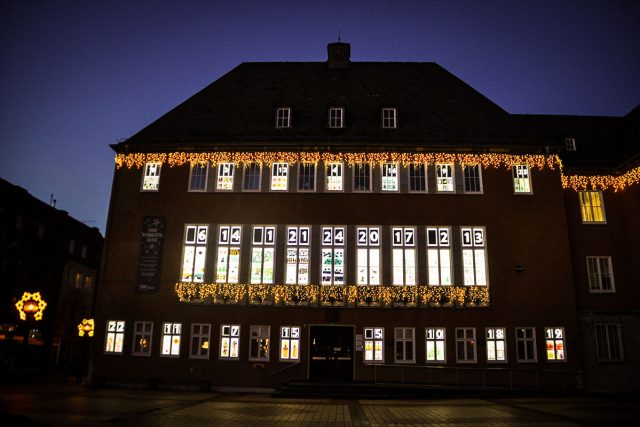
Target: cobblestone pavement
x,y
74,405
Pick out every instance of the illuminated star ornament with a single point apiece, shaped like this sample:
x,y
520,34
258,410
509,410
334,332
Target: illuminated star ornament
x,y
31,303
87,326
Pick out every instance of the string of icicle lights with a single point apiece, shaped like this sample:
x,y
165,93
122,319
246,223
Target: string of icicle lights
x,y
486,160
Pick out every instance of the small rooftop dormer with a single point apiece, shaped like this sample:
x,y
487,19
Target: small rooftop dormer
x,y
338,55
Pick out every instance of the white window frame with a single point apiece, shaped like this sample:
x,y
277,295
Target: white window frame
x,y
140,332
596,275
363,182
200,340
389,118
390,177
259,335
304,167
399,335
606,344
171,339
368,255
289,343
229,245
373,338
404,255
335,117
151,176
279,177
225,176
521,179
445,178
416,179
194,253
528,336
229,342
439,259
474,256
246,167
570,144
433,336
496,343
283,117
331,180
468,178
334,248
466,341
197,166
263,254
592,207
114,337
298,259
553,336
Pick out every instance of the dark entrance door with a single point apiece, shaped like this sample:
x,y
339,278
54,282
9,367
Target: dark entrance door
x,y
331,353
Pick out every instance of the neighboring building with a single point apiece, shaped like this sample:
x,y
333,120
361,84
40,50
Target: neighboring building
x,y
367,221
43,249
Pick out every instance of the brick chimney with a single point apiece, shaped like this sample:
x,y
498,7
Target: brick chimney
x,y
339,54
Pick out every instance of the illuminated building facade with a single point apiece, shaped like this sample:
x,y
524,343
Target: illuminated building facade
x,y
355,221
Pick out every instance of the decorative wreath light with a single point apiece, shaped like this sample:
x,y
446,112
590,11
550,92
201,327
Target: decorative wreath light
x,y
31,303
87,326
494,160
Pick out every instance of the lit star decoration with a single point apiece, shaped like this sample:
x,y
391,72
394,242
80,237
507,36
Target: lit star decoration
x,y
35,302
486,160
87,326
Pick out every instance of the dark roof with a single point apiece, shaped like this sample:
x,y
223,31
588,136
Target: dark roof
x,y
435,109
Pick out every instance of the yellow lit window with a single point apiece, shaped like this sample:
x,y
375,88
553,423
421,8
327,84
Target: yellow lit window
x,y
591,206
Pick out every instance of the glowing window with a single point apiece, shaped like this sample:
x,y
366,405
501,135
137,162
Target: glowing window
x,y
194,253
283,117
225,177
171,339
200,340
298,254
263,254
114,338
259,342
405,345
439,255
389,120
465,345
228,262
362,177
390,177
521,179
554,339
142,333
474,257
290,343
404,255
279,177
198,176
374,345
526,344
368,255
333,255
472,179
496,344
229,342
151,177
333,177
591,206
436,344
336,117
444,177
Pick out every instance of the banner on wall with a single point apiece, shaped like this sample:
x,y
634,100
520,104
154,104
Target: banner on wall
x,y
151,239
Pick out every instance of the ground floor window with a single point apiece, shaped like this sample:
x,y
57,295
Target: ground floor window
x,y
609,342
142,333
526,344
496,345
555,343
229,342
465,345
374,345
115,337
200,336
290,343
171,339
435,344
405,344
259,344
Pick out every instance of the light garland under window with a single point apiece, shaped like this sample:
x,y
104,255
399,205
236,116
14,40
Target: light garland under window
x,y
494,160
334,295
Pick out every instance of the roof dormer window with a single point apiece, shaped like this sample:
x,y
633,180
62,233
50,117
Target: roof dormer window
x,y
283,117
389,118
336,117
570,144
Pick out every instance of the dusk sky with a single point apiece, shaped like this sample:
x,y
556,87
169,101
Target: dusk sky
x,y
77,76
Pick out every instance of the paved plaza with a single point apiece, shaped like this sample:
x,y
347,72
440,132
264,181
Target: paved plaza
x,y
76,405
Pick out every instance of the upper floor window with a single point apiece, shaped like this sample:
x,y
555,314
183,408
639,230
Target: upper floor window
x,y
307,177
263,254
362,177
570,143
252,174
472,179
389,118
418,177
521,179
609,342
333,255
151,177
225,177
198,176
591,206
600,274
404,255
283,117
390,177
444,177
228,263
336,117
280,177
194,253
368,255
474,257
334,177
439,255
298,255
